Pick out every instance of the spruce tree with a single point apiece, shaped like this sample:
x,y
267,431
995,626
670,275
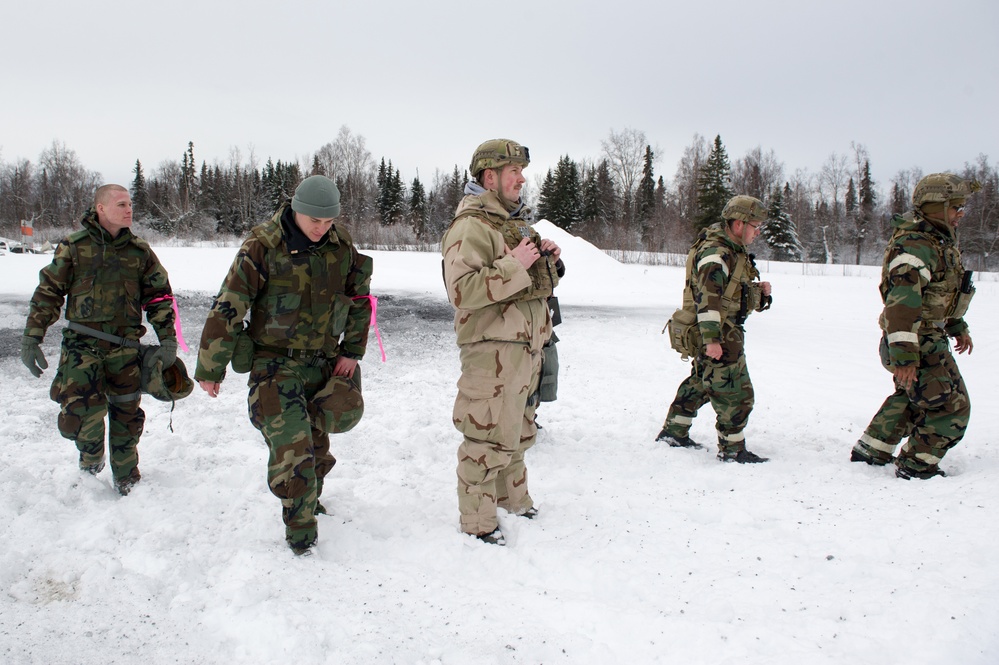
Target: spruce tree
x,y
140,196
713,188
780,232
418,208
645,197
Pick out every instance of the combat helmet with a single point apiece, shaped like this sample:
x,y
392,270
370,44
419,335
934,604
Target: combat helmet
x,y
945,188
745,208
166,385
497,153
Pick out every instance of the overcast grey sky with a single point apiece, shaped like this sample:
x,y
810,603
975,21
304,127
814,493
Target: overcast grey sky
x,y
916,82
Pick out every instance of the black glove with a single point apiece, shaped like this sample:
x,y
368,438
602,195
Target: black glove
x,y
165,353
32,356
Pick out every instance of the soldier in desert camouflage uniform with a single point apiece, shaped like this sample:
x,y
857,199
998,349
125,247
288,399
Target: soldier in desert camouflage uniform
x,y
108,277
926,292
305,288
721,287
499,274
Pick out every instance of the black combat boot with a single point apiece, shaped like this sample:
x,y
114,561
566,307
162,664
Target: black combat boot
x,y
677,441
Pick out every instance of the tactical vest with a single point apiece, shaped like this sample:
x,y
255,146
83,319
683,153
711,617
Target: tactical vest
x,y
742,294
943,297
107,280
303,304
543,274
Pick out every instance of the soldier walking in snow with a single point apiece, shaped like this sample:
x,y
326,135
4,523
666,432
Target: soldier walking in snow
x,y
108,277
499,274
306,290
719,293
926,292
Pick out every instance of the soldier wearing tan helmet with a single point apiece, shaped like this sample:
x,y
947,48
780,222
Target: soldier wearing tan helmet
x,y
926,292
499,274
720,291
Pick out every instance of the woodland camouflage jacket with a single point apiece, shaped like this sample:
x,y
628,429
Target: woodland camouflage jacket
x,y
715,260
494,296
311,300
106,283
921,280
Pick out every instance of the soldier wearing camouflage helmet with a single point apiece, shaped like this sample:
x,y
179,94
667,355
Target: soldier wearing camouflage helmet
x,y
306,291
107,277
499,273
926,292
721,287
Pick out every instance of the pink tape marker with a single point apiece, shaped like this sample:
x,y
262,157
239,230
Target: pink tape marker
x,y
374,320
176,319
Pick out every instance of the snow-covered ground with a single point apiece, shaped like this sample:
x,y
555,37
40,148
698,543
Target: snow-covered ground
x,y
641,554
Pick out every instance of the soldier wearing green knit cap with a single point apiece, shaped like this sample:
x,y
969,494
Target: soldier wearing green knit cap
x,y
926,292
304,289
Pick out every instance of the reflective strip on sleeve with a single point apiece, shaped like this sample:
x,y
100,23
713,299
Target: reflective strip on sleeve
x,y
915,262
877,444
902,336
713,258
711,316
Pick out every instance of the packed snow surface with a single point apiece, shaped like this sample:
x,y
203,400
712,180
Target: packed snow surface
x,y
641,553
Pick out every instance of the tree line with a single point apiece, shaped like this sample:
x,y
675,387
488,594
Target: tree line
x,y
616,200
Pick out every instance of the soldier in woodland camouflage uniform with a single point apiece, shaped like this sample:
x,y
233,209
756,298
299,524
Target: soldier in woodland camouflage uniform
x,y
107,276
499,274
926,292
720,283
305,288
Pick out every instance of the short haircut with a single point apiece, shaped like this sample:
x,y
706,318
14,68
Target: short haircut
x,y
103,193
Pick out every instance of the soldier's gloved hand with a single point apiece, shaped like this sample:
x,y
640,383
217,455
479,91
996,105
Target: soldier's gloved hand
x,y
32,356
167,353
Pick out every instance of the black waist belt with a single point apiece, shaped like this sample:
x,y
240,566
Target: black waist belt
x,y
107,337
297,354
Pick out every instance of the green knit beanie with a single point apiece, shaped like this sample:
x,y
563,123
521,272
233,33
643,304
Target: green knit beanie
x,y
317,196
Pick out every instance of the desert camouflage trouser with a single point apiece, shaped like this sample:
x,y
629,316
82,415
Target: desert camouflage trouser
x,y
494,409
97,379
933,413
295,404
728,387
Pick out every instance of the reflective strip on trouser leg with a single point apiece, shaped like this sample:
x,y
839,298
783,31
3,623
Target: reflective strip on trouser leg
x,y
691,395
491,410
940,401
888,427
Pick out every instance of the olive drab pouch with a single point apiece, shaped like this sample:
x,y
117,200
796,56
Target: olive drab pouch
x,y
684,334
964,296
548,388
242,354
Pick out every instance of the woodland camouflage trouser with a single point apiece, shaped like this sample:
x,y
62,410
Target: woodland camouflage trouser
x,y
933,413
494,409
728,387
295,404
97,379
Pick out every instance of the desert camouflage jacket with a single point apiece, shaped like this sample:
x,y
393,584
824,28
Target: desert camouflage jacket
x,y
921,285
311,300
106,284
716,258
494,297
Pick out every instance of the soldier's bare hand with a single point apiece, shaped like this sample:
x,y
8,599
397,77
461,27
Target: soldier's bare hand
x,y
713,351
552,248
210,387
905,375
526,252
344,367
963,343
765,287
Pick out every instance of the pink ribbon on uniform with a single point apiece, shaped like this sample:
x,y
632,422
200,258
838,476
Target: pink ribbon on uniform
x,y
374,320
176,318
